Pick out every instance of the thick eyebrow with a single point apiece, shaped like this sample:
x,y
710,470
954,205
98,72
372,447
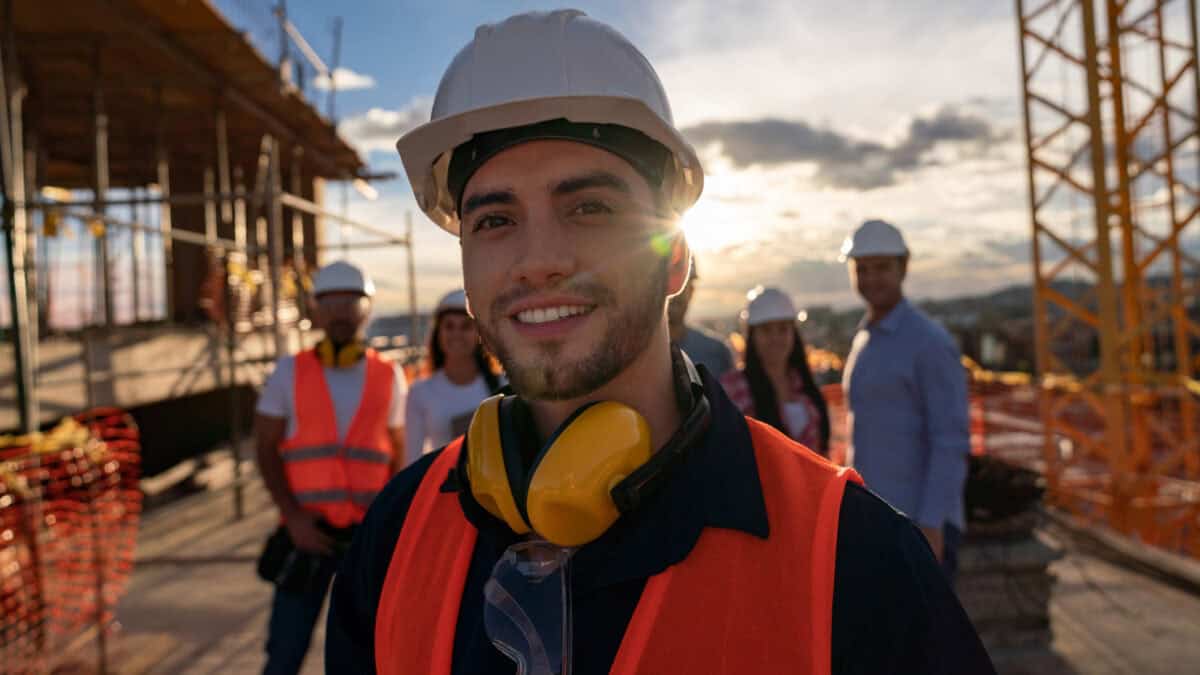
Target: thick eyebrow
x,y
486,199
596,179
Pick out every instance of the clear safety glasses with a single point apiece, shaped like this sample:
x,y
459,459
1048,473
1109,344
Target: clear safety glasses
x,y
527,607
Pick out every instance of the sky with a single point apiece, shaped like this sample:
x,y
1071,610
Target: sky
x,y
808,118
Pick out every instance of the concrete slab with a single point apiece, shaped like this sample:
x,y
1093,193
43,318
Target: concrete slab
x,y
195,606
195,586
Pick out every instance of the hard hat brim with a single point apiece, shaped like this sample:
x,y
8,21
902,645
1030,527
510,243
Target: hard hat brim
x,y
868,253
425,151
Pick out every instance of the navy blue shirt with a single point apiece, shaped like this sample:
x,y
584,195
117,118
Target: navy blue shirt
x,y
893,611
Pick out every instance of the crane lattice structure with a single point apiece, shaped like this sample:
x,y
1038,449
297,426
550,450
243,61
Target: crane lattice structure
x,y
1112,122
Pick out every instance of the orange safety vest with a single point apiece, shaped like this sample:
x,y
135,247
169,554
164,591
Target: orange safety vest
x,y
339,479
736,604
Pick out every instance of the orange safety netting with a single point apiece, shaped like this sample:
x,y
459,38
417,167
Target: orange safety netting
x,y
1058,427
69,510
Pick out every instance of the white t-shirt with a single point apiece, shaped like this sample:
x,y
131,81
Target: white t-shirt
x,y
345,388
797,417
438,412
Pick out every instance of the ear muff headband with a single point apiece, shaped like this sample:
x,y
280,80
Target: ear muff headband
x,y
646,480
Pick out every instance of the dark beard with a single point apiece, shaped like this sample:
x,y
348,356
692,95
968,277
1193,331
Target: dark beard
x,y
626,338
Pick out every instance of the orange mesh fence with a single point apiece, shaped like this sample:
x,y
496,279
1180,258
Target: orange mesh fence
x,y
69,510
1057,426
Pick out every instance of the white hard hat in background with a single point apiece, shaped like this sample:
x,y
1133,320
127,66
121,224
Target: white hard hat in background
x,y
342,276
767,305
538,67
874,237
454,301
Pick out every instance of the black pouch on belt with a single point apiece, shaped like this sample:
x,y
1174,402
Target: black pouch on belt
x,y
296,571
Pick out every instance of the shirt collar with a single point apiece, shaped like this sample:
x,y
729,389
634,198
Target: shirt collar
x,y
716,485
889,323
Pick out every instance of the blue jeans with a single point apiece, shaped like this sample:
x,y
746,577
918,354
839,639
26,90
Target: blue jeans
x,y
293,617
951,541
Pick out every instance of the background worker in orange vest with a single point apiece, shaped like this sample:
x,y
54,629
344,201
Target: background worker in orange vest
x,y
700,541
330,433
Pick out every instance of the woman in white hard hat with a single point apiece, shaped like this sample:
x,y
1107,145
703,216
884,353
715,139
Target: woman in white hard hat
x,y
776,384
440,405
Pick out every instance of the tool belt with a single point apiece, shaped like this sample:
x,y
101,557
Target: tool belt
x,y
296,571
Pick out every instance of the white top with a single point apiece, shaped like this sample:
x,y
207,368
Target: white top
x,y
438,412
345,388
796,413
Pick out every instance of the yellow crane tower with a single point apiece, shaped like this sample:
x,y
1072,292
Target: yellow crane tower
x,y
1112,128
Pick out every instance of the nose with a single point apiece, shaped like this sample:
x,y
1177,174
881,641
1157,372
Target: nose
x,y
548,255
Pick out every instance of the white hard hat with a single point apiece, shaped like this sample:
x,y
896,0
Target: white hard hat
x,y
874,237
454,301
539,67
767,305
342,276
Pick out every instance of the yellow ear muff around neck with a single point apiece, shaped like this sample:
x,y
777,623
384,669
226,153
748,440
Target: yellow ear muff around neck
x,y
350,354
487,471
569,500
344,357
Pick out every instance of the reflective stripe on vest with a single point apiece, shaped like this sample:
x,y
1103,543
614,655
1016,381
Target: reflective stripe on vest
x,y
338,480
324,451
737,603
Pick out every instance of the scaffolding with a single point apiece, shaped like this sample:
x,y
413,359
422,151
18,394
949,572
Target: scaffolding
x,y
163,187
1112,129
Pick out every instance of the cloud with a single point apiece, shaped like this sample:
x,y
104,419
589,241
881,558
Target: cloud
x,y
842,161
345,79
380,128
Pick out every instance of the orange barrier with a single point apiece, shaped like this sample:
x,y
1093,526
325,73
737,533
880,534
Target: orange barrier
x,y
1056,427
69,511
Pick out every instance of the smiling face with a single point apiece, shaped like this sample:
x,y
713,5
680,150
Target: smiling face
x,y
565,265
774,341
878,279
456,333
342,315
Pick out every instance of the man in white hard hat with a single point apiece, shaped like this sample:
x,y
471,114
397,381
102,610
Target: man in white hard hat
x,y
907,395
701,345
699,541
330,433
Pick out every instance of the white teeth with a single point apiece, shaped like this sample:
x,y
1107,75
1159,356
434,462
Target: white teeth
x,y
548,314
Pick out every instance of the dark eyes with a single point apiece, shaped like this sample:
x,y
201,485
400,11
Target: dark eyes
x,y
591,208
491,221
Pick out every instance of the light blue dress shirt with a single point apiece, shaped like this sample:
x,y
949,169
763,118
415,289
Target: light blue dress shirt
x,y
909,427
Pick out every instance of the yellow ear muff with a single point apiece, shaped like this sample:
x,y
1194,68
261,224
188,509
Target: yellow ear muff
x,y
345,357
325,353
569,501
350,354
486,470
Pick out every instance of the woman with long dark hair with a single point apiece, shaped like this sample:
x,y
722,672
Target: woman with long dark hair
x,y
461,376
776,384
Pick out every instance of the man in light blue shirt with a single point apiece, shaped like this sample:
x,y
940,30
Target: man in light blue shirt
x,y
907,396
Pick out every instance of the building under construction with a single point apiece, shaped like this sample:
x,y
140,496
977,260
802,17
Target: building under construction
x,y
164,187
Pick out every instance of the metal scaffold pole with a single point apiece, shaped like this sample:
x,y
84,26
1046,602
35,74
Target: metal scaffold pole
x,y
16,226
412,279
275,244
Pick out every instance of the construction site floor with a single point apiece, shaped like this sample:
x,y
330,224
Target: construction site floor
x,y
195,605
